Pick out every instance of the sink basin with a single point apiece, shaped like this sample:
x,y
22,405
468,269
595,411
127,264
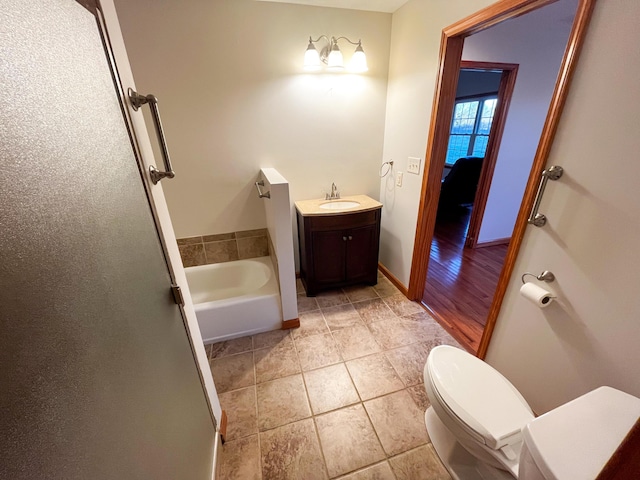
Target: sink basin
x,y
339,205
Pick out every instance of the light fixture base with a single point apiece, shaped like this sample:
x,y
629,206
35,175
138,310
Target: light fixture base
x,y
331,55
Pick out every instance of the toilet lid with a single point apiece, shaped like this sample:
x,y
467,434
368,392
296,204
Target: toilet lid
x,y
478,395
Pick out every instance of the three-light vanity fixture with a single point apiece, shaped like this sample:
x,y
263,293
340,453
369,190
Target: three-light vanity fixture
x,y
331,55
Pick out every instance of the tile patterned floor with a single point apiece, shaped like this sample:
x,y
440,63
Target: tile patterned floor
x,y
340,397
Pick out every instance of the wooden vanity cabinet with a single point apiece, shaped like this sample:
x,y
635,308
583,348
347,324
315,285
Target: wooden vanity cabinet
x,y
338,250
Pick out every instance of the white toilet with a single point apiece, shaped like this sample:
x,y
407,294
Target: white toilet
x,y
482,428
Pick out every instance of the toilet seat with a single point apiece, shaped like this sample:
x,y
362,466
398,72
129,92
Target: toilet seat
x,y
486,405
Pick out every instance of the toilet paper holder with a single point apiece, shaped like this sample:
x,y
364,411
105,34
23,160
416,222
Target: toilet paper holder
x,y
545,276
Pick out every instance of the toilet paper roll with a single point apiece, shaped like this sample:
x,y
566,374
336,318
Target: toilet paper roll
x,y
537,295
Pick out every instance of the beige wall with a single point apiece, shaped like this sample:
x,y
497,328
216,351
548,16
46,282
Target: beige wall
x,y
415,45
234,98
590,336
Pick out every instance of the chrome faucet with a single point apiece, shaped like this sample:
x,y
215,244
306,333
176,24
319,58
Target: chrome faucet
x,y
335,194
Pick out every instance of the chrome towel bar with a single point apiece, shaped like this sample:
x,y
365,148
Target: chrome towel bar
x,y
552,173
137,101
260,194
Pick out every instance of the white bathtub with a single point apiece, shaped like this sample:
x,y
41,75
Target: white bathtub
x,y
235,299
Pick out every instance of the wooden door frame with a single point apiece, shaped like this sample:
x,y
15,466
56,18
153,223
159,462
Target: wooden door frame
x,y
441,113
505,92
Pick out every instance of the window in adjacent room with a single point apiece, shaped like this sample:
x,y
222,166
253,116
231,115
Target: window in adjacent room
x,y
470,127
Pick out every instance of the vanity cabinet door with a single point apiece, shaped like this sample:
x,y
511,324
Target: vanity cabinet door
x,y
329,256
362,254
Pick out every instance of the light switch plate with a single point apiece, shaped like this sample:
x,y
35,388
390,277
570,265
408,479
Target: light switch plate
x,y
413,165
399,179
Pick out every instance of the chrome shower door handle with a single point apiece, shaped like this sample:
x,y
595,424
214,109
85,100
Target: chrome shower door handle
x,y
137,101
552,173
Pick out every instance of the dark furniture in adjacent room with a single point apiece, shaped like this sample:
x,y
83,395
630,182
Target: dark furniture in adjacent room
x,y
460,185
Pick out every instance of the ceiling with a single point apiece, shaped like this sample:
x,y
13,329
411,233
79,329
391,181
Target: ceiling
x,y
387,6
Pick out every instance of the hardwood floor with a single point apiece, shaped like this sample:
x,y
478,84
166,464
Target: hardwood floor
x,y
461,281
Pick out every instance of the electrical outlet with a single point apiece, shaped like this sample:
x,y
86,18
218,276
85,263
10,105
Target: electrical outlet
x,y
413,165
399,179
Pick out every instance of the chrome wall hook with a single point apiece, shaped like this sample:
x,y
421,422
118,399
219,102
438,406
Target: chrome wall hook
x,y
545,276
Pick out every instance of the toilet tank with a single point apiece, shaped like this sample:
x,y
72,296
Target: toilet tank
x,y
575,440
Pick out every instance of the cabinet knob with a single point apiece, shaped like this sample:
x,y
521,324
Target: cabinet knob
x,y
344,238
350,237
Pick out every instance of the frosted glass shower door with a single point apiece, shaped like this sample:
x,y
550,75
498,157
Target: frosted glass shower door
x,y
97,375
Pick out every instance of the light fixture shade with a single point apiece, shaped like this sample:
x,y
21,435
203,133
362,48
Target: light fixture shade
x,y
358,61
335,61
312,58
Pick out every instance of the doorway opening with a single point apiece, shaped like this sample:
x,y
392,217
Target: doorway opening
x,y
462,278
438,142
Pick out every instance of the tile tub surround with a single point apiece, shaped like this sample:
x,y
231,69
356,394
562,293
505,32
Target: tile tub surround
x,y
224,247
340,397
